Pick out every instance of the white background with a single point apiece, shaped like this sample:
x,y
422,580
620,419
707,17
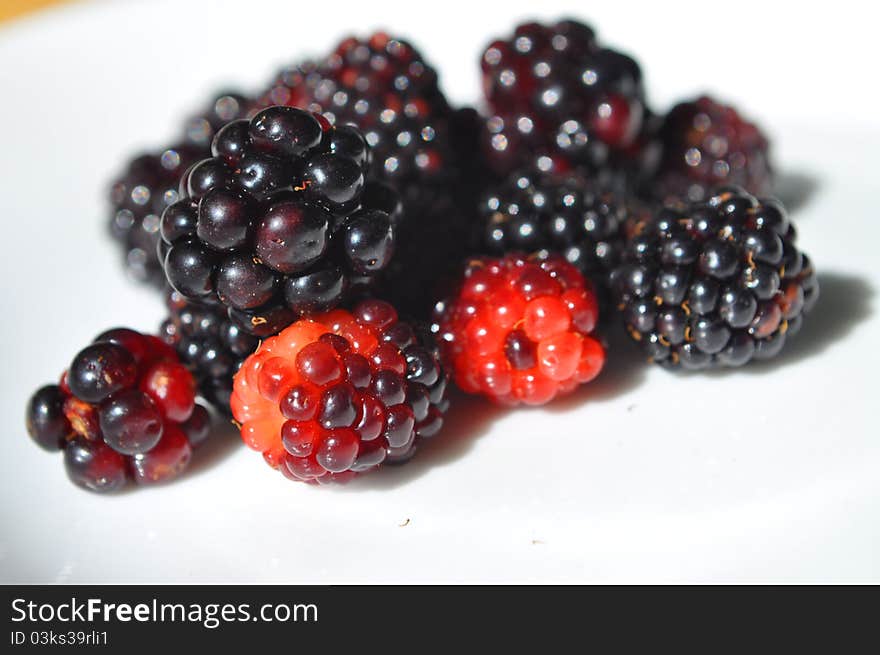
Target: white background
x,y
766,474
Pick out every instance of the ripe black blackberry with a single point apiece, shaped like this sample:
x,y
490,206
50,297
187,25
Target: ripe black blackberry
x,y
149,184
581,218
704,144
280,222
557,98
715,284
209,344
383,86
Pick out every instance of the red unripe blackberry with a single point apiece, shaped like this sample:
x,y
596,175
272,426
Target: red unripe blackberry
x,y
340,393
519,330
125,408
705,144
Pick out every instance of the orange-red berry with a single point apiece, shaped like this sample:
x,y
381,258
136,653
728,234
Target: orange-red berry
x,y
520,329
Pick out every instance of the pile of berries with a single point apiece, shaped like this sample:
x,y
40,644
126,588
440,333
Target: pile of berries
x,y
338,247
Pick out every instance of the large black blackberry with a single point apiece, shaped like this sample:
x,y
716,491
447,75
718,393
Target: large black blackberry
x,y
704,144
149,184
383,86
279,222
209,344
557,98
580,218
715,284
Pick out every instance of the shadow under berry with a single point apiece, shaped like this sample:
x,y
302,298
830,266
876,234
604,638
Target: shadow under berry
x,y
468,419
224,440
624,369
795,189
471,417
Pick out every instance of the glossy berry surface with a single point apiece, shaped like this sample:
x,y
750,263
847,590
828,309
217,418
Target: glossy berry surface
x,y
277,224
714,284
124,409
383,86
705,144
149,183
558,98
520,328
569,214
340,393
209,344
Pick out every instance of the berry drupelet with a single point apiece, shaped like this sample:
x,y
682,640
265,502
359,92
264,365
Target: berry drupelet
x,y
209,344
280,222
383,86
557,98
705,144
519,329
715,284
150,183
125,409
225,107
582,219
340,393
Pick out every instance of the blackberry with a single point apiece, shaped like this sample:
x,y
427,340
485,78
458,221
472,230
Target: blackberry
x,y
340,393
280,222
557,99
704,144
125,409
715,284
209,344
383,86
149,184
138,198
580,218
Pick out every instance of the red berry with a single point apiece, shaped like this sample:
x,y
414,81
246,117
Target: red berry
x,y
538,346
358,388
319,364
166,460
172,387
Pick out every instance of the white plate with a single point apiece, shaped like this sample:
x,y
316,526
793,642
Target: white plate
x,y
764,474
